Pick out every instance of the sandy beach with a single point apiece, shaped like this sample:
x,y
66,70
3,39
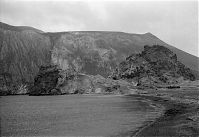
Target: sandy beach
x,y
180,116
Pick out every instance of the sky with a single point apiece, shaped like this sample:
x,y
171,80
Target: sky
x,y
174,22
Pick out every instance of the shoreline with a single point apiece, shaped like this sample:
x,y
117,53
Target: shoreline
x,y
178,118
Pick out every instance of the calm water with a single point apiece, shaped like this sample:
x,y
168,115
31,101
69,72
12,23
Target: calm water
x,y
73,115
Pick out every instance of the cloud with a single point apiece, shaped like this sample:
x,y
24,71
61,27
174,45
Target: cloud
x,y
174,22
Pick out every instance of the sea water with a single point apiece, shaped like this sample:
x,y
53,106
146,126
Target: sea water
x,y
74,115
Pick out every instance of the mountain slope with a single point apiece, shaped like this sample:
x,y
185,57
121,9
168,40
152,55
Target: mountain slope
x,y
24,49
21,53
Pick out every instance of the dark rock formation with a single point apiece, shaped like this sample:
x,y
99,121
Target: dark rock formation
x,y
45,83
51,80
155,65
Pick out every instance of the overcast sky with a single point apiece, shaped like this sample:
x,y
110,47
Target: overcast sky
x,y
176,23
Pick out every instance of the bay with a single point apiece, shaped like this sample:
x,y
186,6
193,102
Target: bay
x,y
74,115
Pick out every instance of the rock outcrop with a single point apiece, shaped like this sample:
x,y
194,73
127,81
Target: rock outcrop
x,y
46,82
155,65
51,80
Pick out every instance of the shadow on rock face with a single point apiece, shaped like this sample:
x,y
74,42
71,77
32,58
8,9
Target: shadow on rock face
x,y
45,83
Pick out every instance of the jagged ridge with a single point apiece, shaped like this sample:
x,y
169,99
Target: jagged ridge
x,y
154,65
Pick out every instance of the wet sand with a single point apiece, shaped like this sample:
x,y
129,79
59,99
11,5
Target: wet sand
x,y
180,116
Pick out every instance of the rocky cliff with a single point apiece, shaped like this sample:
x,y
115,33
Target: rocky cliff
x,y
24,49
153,66
46,81
51,80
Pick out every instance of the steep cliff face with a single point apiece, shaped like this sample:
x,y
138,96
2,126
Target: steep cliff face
x,y
24,49
155,65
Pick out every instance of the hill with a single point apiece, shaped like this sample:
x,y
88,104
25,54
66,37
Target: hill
x,y
18,28
24,49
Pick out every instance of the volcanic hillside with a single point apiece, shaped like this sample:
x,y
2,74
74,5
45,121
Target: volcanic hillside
x,y
24,49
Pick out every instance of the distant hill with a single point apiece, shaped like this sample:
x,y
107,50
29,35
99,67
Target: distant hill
x,y
18,28
24,49
155,65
